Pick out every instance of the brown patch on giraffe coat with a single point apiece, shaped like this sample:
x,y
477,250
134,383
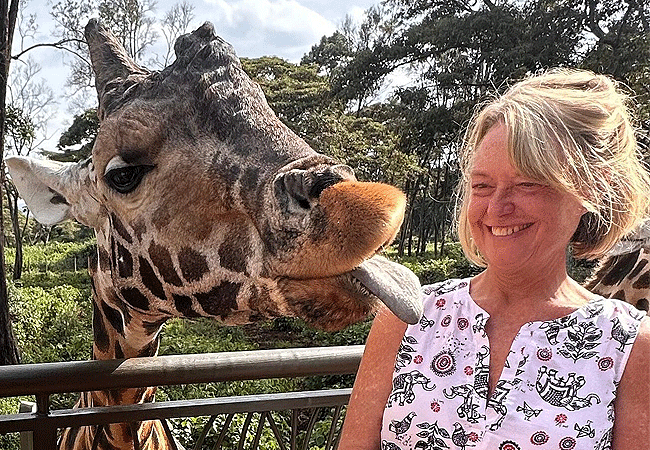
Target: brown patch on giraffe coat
x,y
619,295
113,317
193,264
621,266
150,279
124,261
121,229
643,304
221,299
161,217
139,228
153,327
233,251
135,298
163,262
150,349
183,305
104,260
100,334
119,353
643,282
637,270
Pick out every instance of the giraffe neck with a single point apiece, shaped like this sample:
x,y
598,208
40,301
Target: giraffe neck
x,y
118,333
625,277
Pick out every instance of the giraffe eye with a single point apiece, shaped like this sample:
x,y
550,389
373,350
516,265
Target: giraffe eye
x,y
126,179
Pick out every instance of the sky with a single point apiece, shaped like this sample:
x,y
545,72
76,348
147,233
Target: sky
x,y
284,28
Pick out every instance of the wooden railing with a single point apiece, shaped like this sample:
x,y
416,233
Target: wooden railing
x,y
44,380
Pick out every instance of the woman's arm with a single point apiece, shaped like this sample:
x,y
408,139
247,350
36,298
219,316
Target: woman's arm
x,y
373,384
632,406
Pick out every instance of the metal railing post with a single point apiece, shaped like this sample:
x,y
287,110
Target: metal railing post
x,y
44,435
27,437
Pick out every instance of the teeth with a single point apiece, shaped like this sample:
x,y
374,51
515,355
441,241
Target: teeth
x,y
507,231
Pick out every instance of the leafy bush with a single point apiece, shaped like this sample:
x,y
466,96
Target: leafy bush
x,y
51,324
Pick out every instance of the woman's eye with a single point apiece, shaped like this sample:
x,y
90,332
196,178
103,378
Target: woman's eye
x,y
126,179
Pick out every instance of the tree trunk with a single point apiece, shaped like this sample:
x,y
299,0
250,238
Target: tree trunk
x,y
8,14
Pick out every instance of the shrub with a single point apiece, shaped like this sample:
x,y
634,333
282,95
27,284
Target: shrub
x,y
51,324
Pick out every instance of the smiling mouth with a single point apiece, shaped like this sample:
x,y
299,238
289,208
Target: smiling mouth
x,y
507,231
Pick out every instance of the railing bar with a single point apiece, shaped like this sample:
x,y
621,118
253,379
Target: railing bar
x,y
276,431
338,439
79,376
168,433
294,428
172,409
244,430
98,432
204,432
258,432
335,418
310,427
224,430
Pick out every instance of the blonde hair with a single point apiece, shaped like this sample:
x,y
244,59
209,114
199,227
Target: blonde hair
x,y
573,130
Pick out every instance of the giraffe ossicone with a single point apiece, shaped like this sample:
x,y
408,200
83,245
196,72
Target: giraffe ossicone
x,y
205,204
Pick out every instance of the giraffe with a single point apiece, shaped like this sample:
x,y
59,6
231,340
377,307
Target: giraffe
x,y
625,273
204,204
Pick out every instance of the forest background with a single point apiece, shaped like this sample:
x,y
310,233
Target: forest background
x,y
453,55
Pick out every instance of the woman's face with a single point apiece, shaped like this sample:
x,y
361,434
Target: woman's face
x,y
517,222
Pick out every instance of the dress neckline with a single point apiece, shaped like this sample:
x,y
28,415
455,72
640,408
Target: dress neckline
x,y
580,311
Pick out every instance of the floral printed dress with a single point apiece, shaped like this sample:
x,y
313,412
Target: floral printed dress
x,y
556,390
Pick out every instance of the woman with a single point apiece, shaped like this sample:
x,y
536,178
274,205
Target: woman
x,y
550,164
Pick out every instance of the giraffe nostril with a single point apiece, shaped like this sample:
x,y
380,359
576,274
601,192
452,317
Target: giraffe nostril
x,y
298,188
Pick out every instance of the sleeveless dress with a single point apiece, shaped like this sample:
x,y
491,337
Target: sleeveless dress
x,y
556,391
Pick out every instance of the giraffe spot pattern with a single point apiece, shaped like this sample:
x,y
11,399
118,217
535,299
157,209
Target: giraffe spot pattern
x,y
163,262
150,280
135,298
637,270
104,260
220,300
153,327
193,264
113,317
121,230
621,267
234,257
139,228
124,261
183,305
119,354
643,282
100,333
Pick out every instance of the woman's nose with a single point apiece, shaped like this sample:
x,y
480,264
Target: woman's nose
x,y
501,203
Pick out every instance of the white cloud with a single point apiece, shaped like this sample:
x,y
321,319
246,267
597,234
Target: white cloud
x,y
267,27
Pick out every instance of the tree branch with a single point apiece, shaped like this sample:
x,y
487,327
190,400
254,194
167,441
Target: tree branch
x,y
59,45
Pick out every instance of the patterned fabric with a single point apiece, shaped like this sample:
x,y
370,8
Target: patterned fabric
x,y
556,390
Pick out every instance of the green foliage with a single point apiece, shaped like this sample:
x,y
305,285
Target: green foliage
x,y
76,143
52,324
55,255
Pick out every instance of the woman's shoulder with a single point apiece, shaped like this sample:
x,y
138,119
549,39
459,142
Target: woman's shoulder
x,y
445,287
614,311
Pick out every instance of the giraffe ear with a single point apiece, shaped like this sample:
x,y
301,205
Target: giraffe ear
x,y
48,187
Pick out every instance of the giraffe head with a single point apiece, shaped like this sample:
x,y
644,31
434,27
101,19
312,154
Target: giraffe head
x,y
205,204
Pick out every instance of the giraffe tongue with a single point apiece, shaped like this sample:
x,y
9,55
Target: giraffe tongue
x,y
395,285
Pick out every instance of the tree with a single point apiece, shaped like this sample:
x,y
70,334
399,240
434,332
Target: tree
x,y
8,15
302,98
458,52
